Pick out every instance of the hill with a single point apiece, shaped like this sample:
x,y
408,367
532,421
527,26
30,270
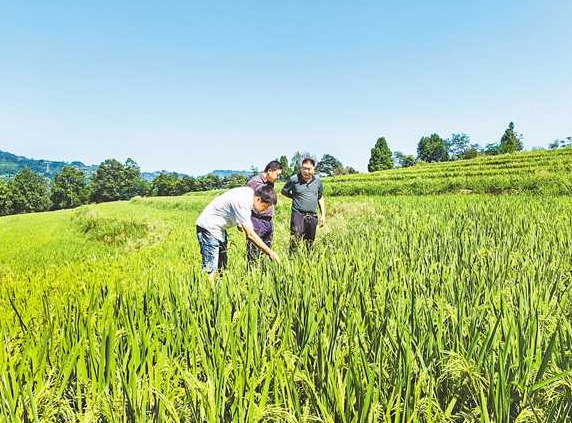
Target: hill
x,y
539,172
11,164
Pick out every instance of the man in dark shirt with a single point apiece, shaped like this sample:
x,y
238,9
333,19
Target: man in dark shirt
x,y
306,191
262,221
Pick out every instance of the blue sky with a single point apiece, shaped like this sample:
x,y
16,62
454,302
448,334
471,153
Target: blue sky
x,y
197,86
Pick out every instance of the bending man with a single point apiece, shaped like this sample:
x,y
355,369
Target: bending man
x,y
232,208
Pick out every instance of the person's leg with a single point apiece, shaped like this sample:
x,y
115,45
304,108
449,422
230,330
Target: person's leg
x,y
296,230
222,254
252,252
310,225
209,246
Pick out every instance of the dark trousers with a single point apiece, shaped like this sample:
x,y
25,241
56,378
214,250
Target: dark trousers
x,y
264,228
302,227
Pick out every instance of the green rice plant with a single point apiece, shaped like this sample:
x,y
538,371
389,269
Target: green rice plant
x,y
428,309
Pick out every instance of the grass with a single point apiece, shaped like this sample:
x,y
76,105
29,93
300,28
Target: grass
x,y
539,172
433,309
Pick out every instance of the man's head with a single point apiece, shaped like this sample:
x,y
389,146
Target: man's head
x,y
264,197
308,168
273,170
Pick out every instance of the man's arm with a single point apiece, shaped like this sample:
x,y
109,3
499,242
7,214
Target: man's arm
x,y
251,235
287,190
322,204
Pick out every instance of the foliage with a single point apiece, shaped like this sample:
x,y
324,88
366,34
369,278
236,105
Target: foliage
x,y
380,158
5,197
329,166
297,158
432,149
413,309
471,152
510,142
115,181
234,181
286,169
187,184
69,189
29,192
567,142
166,184
403,160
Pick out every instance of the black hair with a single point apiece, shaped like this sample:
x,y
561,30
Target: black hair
x,y
273,165
310,160
266,194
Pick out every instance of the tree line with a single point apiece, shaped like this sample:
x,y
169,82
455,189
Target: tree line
x,y
433,148
112,180
28,191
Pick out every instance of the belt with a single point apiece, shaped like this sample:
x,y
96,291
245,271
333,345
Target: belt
x,y
306,213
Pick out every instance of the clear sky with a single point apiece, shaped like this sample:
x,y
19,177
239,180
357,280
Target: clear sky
x,y
194,86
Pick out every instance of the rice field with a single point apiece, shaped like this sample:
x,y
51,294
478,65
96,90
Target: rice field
x,y
536,172
451,308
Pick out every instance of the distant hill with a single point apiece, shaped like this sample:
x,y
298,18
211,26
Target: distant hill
x,y
11,164
223,173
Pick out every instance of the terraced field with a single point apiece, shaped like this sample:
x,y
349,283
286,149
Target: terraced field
x,y
541,172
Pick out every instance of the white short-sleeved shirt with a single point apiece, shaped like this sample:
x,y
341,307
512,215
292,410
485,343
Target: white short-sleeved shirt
x,y
232,208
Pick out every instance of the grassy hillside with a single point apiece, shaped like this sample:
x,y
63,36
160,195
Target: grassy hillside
x,y
541,172
432,308
11,164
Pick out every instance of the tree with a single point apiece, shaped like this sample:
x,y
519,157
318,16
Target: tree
x,y
30,192
380,158
107,180
165,184
492,149
187,184
433,149
286,170
510,142
209,182
330,166
253,172
297,158
403,160
234,181
132,183
5,197
114,181
471,152
560,143
458,145
69,189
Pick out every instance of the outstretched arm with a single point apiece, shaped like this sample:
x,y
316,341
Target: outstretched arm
x,y
251,235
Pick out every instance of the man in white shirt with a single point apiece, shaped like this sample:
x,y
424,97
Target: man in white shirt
x,y
232,208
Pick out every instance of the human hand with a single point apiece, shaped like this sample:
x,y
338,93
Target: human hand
x,y
322,220
273,256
